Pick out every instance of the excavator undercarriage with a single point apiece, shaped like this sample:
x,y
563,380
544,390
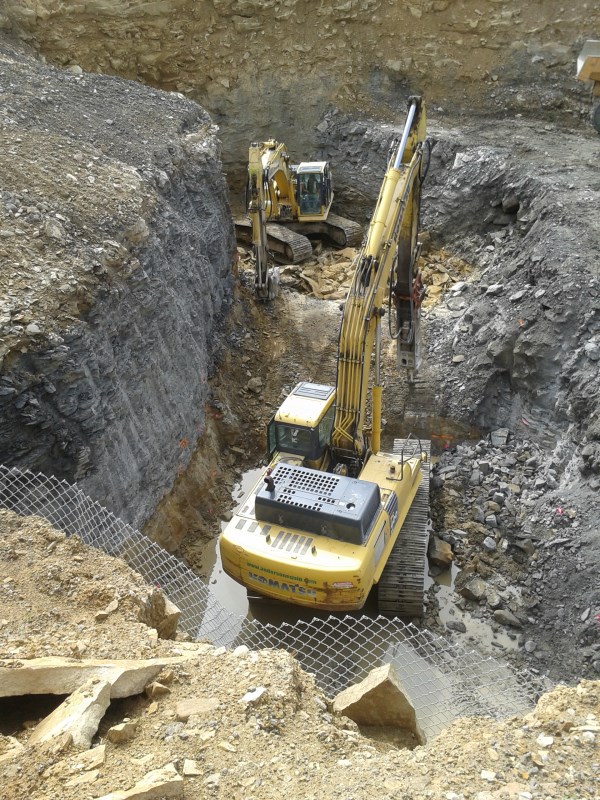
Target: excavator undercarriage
x,y
290,243
402,583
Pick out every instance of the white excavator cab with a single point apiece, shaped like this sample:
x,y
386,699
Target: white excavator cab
x,y
314,190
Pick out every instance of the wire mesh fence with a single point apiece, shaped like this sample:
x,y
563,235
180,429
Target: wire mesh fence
x,y
443,679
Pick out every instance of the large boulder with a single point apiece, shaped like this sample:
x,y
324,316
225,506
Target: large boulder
x,y
380,700
79,715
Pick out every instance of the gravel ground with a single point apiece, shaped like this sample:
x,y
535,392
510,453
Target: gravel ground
x,y
52,591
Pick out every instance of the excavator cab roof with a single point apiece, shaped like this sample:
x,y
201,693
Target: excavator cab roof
x,y
306,404
311,166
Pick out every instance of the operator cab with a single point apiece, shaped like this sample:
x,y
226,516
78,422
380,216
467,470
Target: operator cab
x,y
315,188
302,425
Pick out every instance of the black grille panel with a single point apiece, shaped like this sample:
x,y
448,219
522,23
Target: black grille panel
x,y
318,503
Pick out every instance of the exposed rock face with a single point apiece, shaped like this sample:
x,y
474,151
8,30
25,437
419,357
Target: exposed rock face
x,y
522,342
270,64
116,232
55,675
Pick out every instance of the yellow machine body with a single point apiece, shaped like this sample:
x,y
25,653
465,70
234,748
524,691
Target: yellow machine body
x,y
300,192
308,569
588,69
286,204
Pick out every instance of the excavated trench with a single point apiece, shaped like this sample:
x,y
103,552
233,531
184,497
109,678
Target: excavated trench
x,y
504,347
169,369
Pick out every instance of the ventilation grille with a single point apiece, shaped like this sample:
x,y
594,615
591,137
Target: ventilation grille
x,y
318,502
316,391
292,479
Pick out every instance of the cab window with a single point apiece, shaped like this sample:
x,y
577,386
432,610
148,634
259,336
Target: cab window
x,y
310,192
300,441
294,439
325,426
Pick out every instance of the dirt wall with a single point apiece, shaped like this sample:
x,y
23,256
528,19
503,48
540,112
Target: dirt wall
x,y
116,242
271,67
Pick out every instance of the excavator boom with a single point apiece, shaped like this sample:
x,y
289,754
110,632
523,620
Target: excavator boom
x,y
385,264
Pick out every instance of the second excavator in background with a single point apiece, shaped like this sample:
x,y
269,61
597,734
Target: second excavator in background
x,y
332,516
287,204
588,69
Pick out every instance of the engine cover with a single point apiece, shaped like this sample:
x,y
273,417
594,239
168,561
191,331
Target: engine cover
x,y
319,503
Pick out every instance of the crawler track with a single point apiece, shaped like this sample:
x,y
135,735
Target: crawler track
x,y
287,245
290,242
402,583
344,232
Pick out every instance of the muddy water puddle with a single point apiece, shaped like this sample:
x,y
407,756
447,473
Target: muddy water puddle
x,y
228,592
478,633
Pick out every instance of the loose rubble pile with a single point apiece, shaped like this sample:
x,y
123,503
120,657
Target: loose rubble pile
x,y
522,547
328,274
148,717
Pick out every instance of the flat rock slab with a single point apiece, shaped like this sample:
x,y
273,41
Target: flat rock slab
x,y
159,783
380,700
195,706
64,675
79,715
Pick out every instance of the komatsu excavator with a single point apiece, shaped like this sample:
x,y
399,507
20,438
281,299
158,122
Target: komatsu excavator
x,y
332,516
296,197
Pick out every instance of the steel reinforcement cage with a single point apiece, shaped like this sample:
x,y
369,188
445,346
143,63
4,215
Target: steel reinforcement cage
x,y
444,679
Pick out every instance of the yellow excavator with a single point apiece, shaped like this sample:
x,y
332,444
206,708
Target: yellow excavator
x,y
286,204
588,69
332,516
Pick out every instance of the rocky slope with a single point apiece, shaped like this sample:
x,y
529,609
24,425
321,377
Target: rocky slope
x,y
270,69
241,724
116,241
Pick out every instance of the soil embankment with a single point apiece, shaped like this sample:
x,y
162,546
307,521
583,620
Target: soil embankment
x,y
116,243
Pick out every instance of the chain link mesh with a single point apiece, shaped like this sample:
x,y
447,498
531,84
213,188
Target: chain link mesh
x,y
443,679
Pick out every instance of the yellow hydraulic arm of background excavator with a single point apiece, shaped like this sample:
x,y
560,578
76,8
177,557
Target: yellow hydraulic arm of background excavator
x,y
260,208
391,244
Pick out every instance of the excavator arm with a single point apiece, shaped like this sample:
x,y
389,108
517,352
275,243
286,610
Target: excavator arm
x,y
385,271
266,278
331,517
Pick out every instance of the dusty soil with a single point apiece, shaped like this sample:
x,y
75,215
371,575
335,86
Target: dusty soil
x,y
53,585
